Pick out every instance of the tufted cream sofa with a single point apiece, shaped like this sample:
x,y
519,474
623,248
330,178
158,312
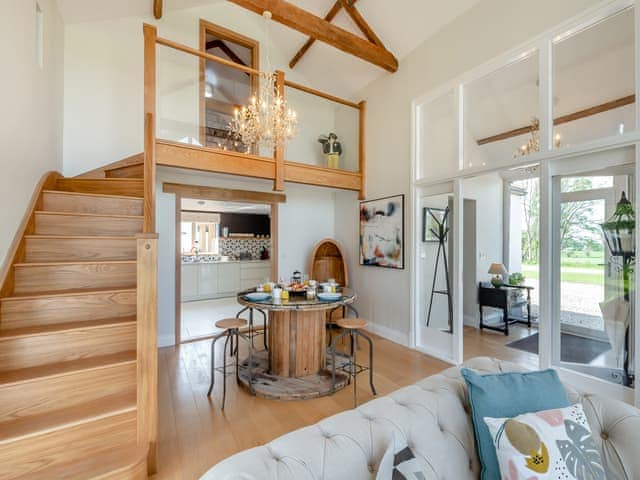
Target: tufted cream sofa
x,y
433,415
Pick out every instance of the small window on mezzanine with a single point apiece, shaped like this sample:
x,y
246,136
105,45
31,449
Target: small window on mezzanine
x,y
593,81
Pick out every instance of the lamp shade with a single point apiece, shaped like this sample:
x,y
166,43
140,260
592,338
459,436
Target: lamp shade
x,y
498,269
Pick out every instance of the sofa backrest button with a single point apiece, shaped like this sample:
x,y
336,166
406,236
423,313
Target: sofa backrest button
x,y
604,435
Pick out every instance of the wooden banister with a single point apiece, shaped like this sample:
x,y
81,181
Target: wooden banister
x,y
362,150
150,39
147,345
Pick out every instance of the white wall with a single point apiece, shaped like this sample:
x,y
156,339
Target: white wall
x,y
307,217
483,32
104,63
31,99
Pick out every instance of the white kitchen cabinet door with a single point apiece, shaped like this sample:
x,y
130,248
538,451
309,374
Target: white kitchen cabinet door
x,y
228,277
208,280
189,282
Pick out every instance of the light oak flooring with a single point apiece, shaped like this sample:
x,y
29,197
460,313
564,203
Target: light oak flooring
x,y
194,433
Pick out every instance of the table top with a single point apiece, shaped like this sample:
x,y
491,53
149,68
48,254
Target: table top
x,y
296,302
506,285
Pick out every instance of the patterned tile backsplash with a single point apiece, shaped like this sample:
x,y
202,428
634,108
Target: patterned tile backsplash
x,y
233,247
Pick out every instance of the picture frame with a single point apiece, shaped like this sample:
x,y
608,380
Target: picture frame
x,y
382,238
429,215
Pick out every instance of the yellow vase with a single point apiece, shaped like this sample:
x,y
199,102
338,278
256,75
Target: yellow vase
x,y
333,160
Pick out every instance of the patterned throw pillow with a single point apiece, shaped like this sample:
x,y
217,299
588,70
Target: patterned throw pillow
x,y
399,462
548,445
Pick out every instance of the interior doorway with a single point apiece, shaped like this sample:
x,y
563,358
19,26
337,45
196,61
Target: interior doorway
x,y
226,241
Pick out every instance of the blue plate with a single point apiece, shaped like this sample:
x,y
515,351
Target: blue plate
x,y
257,296
329,297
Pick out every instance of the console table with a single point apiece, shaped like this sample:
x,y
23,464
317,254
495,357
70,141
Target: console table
x,y
503,298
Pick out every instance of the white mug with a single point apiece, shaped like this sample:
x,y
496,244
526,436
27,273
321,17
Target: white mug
x,y
276,293
326,288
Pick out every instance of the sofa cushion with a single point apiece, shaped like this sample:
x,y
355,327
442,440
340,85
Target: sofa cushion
x,y
507,395
399,462
547,445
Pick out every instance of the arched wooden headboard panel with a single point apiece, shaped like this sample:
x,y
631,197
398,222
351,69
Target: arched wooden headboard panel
x,y
329,261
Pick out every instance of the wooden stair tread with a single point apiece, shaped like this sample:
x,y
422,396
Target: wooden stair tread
x,y
95,467
66,293
80,237
63,327
98,195
50,421
82,214
73,262
64,368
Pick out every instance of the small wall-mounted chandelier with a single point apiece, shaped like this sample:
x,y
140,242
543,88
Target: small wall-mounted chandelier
x,y
266,121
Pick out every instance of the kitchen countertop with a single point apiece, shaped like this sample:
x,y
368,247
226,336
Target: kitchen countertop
x,y
224,261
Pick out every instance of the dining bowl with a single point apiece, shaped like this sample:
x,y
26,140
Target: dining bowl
x,y
257,296
329,297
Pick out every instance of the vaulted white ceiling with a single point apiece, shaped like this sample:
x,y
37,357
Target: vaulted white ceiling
x,y
401,24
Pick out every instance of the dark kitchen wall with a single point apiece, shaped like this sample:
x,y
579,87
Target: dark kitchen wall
x,y
245,223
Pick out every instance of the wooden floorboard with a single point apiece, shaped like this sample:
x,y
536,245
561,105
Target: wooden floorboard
x,y
194,434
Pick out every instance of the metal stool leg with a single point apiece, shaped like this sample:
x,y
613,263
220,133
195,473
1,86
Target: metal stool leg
x,y
352,334
264,330
213,356
224,368
237,335
368,339
332,348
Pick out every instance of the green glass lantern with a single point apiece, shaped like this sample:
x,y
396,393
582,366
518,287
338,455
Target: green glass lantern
x,y
620,230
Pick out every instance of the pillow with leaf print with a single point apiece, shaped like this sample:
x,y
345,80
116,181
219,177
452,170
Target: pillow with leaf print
x,y
551,444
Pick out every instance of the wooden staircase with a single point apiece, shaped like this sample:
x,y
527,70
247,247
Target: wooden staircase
x,y
71,357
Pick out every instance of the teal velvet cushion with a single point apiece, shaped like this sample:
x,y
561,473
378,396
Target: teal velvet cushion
x,y
506,395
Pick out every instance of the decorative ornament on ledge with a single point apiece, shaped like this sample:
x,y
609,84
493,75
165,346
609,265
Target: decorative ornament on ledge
x,y
266,121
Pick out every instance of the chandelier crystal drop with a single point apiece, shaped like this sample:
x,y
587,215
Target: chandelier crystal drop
x,y
266,121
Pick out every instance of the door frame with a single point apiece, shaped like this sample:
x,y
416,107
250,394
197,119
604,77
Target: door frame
x,y
581,165
218,194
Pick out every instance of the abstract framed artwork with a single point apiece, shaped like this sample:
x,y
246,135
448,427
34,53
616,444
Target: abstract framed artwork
x,y
382,232
432,218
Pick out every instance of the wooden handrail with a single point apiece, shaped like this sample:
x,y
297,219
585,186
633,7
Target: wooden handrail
x,y
318,93
147,346
206,56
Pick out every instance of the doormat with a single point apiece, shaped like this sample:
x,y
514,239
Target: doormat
x,y
575,349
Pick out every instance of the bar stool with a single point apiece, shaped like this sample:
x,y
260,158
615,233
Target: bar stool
x,y
231,327
352,327
331,323
252,332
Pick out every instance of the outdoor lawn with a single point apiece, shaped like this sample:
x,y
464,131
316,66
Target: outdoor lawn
x,y
575,269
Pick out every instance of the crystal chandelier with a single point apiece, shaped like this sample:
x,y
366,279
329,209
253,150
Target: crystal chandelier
x,y
266,121
533,143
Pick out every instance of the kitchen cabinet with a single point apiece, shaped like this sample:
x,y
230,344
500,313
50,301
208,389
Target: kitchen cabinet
x,y
202,281
189,282
228,278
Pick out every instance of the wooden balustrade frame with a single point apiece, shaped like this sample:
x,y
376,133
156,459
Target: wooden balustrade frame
x,y
169,153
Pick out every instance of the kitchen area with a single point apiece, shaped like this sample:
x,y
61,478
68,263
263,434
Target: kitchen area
x,y
225,247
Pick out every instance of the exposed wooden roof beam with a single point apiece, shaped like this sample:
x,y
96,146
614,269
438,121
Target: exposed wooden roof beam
x,y
587,112
157,9
226,49
318,28
361,23
310,41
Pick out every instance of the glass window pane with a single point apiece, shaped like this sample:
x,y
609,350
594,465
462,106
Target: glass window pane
x,y
593,82
501,115
596,283
437,131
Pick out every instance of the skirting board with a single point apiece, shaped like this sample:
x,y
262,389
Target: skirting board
x,y
389,334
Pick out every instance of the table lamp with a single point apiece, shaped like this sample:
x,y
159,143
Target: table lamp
x,y
499,272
